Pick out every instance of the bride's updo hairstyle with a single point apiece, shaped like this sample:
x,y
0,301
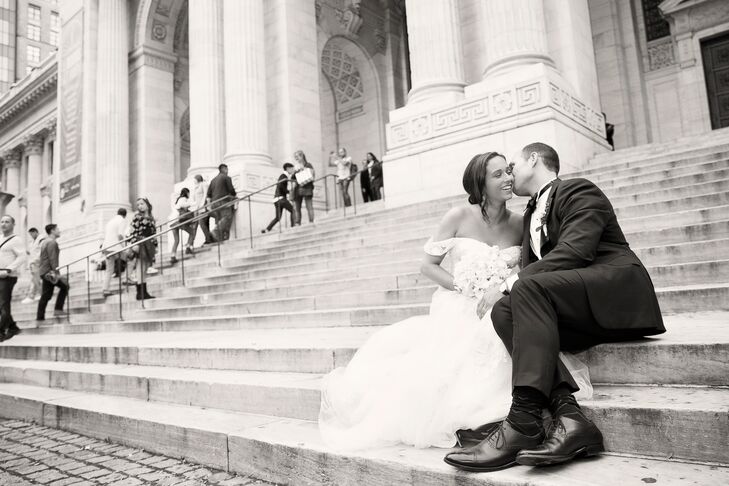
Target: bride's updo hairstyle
x,y
474,180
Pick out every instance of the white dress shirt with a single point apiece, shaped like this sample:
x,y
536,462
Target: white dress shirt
x,y
114,232
535,235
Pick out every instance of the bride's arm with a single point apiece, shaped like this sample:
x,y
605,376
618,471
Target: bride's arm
x,y
430,266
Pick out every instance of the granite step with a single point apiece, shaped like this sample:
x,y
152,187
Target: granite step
x,y
293,448
701,339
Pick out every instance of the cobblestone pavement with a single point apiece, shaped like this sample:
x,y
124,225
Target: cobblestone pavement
x,y
31,454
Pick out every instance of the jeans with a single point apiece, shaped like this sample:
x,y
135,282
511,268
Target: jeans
x,y
47,294
223,220
280,205
309,208
111,264
6,296
344,191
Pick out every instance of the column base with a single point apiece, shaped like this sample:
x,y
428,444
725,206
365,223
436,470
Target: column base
x,y
429,150
441,93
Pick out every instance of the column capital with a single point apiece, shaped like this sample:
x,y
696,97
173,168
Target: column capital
x,y
23,201
149,56
47,190
12,158
33,145
50,127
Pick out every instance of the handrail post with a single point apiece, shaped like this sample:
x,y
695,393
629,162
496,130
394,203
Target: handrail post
x,y
121,316
250,221
182,260
142,271
161,250
68,296
218,242
88,284
354,193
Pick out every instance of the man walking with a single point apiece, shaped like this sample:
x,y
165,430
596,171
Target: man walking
x,y
220,187
50,275
113,234
199,198
12,257
280,201
34,288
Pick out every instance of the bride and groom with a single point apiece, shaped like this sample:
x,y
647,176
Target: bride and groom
x,y
513,292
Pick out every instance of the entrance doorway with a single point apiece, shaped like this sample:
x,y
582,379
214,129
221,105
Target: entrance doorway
x,y
715,54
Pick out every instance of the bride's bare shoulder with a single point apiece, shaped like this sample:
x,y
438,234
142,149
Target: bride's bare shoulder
x,y
516,221
457,213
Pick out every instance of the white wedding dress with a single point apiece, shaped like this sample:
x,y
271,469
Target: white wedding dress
x,y
418,381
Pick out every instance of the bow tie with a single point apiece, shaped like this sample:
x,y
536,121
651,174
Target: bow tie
x,y
532,204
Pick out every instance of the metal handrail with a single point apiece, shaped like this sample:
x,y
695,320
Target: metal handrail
x,y
208,208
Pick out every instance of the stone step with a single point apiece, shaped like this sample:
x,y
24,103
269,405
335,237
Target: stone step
x,y
694,415
609,181
668,181
293,448
701,339
361,316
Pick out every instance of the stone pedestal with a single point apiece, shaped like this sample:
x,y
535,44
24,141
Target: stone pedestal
x,y
207,111
112,108
523,98
436,58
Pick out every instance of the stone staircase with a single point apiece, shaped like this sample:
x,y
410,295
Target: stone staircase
x,y
225,371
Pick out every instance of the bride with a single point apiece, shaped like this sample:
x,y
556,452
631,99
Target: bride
x,y
419,381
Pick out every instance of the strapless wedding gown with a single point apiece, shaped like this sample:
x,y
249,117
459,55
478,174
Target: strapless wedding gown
x,y
418,381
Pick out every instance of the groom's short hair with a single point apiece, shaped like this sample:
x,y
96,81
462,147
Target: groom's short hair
x,y
547,153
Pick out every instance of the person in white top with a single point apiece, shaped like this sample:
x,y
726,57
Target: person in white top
x,y
34,287
343,163
12,258
199,193
113,233
183,205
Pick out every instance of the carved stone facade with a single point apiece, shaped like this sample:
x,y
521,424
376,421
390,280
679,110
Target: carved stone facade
x,y
424,84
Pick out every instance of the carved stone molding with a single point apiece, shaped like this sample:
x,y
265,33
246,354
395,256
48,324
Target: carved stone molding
x,y
50,127
11,158
661,55
159,31
493,106
33,145
148,56
23,200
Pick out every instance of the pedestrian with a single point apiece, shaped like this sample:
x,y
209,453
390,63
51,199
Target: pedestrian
x,y
199,194
143,226
12,258
220,192
185,214
50,275
343,164
305,176
113,233
377,182
280,198
365,184
34,287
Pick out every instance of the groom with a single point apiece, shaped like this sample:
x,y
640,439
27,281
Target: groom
x,y
580,285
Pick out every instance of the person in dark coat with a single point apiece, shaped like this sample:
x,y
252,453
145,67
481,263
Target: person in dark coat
x,y
376,180
280,198
580,285
221,191
304,192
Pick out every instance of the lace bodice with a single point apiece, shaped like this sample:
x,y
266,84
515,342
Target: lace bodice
x,y
458,247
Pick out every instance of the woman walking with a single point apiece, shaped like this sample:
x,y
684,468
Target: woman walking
x,y
143,226
304,191
183,206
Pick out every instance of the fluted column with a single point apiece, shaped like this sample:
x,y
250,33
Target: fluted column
x,y
11,163
514,34
34,151
112,107
246,124
46,192
436,56
207,112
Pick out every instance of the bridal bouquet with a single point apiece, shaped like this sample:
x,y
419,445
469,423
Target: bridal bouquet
x,y
478,271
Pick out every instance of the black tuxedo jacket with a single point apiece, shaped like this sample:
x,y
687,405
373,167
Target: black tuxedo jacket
x,y
584,235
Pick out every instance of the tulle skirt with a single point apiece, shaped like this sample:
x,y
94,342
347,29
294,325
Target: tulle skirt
x,y
418,381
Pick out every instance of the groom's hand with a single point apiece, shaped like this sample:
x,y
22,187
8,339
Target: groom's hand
x,y
492,295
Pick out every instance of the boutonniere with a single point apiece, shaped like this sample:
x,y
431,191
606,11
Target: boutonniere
x,y
545,214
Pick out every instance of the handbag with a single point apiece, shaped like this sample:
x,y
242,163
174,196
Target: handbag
x,y
53,276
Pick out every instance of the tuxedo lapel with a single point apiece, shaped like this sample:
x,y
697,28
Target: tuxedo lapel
x,y
549,235
525,245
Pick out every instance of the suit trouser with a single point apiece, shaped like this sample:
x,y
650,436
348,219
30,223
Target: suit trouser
x,y
34,287
205,226
223,220
6,297
543,314
280,205
48,294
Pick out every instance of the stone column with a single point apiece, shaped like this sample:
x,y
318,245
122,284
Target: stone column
x,y
246,120
112,107
46,192
436,56
207,111
34,151
514,34
12,183
88,103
